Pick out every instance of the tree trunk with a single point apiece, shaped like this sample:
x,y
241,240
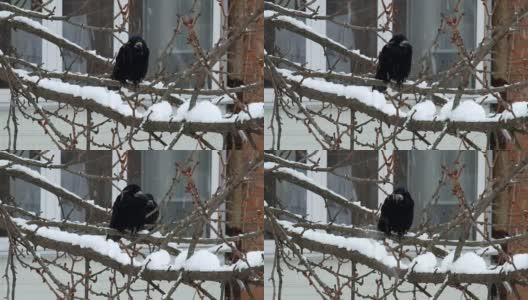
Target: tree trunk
x,y
244,210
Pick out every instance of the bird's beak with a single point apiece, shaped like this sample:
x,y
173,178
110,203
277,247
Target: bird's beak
x,y
404,43
398,197
140,193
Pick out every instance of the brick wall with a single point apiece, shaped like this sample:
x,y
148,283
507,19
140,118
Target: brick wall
x,y
245,65
510,64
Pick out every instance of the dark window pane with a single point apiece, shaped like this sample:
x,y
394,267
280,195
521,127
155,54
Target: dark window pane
x,y
282,194
159,173
420,21
283,43
99,13
25,195
360,164
421,172
20,43
355,12
156,21
96,164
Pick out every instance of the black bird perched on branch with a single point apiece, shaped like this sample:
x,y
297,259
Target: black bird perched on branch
x,y
394,61
132,210
397,212
131,61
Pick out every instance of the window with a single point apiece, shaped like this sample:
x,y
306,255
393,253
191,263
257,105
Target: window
x,y
418,20
19,43
355,12
284,43
160,173
157,172
358,164
25,195
433,205
99,13
422,29
156,21
419,171
278,193
281,193
97,186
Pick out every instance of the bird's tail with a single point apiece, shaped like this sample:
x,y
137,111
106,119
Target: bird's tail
x,y
383,225
379,88
114,238
381,75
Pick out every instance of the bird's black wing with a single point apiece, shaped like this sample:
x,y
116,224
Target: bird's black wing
x,y
136,210
117,73
115,221
152,211
384,222
115,212
401,65
384,65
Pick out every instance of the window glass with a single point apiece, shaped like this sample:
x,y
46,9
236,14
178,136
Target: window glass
x,y
420,20
159,173
421,172
352,164
156,21
24,194
95,164
283,43
354,12
20,43
286,195
99,13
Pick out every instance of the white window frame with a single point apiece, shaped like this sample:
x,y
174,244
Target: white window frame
x,y
317,212
314,51
51,58
50,208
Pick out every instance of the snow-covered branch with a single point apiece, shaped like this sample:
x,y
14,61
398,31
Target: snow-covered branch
x,y
428,106
23,23
228,116
275,171
423,116
156,266
470,268
301,28
160,117
24,173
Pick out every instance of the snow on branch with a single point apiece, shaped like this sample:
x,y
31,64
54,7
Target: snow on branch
x,y
203,265
307,31
105,104
160,117
455,99
22,172
425,268
33,27
458,251
167,241
424,116
276,171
